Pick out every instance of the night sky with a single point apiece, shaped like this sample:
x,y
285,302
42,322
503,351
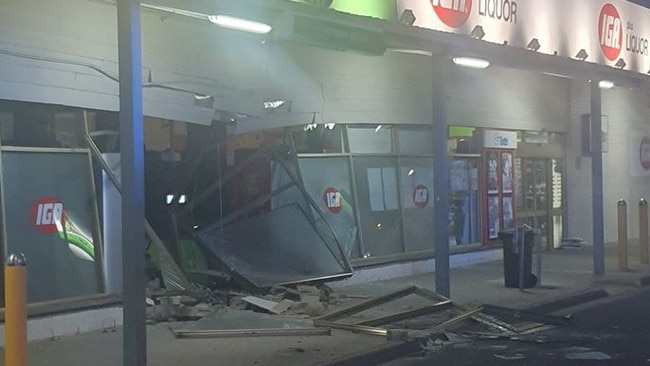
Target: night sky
x,y
645,3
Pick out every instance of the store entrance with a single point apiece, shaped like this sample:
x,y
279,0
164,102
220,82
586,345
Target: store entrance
x,y
539,197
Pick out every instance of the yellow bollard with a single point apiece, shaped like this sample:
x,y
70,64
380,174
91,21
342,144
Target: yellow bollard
x,y
16,310
622,235
643,231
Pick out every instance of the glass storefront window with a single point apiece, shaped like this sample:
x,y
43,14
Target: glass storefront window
x,y
52,221
415,140
462,140
376,139
327,180
378,201
319,139
464,210
6,126
416,188
41,125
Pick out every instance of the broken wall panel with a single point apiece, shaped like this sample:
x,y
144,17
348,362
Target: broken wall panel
x,y
276,248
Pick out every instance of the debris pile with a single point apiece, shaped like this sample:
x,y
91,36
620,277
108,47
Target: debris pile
x,y
297,303
410,314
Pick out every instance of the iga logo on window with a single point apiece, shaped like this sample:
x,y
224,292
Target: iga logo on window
x,y
420,196
453,13
610,32
332,199
47,215
644,153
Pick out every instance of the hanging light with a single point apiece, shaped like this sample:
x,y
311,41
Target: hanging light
x,y
240,24
475,63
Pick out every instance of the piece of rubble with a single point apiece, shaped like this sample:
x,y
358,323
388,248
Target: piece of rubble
x,y
516,356
308,289
260,303
236,303
268,305
282,306
193,312
285,292
591,355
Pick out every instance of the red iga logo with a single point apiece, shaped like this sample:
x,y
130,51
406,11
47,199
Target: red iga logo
x,y
332,199
610,32
46,214
420,196
453,13
644,153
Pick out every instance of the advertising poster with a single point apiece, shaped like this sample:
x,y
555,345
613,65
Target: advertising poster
x,y
508,215
493,217
492,172
459,175
506,172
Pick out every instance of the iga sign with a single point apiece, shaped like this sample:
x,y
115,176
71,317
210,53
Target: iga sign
x,y
47,213
332,199
420,196
644,154
453,13
495,139
639,153
609,31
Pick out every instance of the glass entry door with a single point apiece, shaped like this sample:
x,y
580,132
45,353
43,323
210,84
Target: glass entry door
x,y
539,197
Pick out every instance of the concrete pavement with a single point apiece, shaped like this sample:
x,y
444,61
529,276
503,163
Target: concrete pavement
x,y
567,280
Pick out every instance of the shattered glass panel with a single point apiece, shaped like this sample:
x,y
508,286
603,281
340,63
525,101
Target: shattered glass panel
x,y
327,180
275,248
227,323
340,239
225,319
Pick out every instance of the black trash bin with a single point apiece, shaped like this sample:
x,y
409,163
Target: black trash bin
x,y
511,258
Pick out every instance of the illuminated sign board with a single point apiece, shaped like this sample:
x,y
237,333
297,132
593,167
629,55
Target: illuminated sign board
x,y
614,33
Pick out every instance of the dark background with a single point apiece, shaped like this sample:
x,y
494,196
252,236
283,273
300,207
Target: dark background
x,y
645,3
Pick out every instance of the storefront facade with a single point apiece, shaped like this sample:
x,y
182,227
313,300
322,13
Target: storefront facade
x,y
354,110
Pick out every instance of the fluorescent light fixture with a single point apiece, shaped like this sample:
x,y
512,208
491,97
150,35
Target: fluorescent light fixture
x,y
309,127
274,104
205,101
556,75
605,84
411,51
475,63
240,24
170,198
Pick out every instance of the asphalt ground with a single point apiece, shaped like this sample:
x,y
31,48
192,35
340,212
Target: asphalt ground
x,y
568,281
